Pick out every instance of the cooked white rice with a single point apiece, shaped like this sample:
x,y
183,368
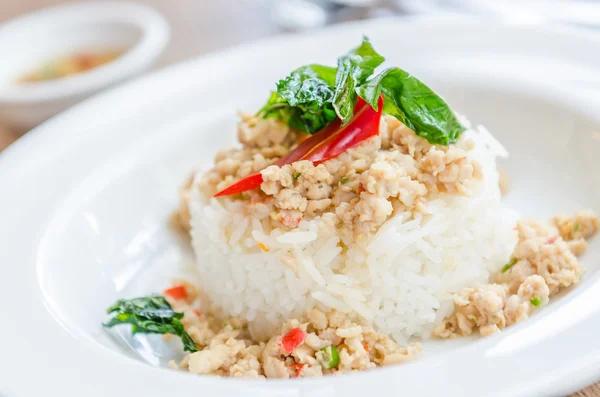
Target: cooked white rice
x,y
401,279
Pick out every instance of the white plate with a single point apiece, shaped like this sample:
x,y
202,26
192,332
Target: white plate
x,y
85,199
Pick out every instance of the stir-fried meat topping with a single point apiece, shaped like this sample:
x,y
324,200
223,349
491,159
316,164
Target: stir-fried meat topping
x,y
395,171
542,264
316,345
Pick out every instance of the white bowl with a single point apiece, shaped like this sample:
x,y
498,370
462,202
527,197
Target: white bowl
x,y
84,221
34,39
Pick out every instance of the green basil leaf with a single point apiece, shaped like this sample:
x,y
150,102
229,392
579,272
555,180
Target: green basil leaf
x,y
364,60
345,94
353,70
303,99
419,108
314,95
371,89
150,315
188,343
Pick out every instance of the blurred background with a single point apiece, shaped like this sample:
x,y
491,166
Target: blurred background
x,y
200,26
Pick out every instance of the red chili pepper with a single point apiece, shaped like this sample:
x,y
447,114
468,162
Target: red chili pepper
x,y
328,143
306,146
248,183
363,126
298,367
291,340
178,292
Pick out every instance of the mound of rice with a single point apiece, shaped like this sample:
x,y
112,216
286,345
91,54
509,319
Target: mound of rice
x,y
400,280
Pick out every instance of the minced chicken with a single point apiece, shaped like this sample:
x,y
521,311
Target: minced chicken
x,y
396,170
316,345
543,262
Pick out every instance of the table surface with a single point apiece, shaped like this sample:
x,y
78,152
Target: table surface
x,y
247,20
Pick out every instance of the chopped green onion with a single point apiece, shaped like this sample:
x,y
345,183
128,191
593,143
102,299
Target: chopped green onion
x,y
343,181
225,325
510,264
535,301
576,227
296,175
328,357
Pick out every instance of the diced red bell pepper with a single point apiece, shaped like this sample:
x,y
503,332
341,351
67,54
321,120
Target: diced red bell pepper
x,y
178,292
291,340
328,143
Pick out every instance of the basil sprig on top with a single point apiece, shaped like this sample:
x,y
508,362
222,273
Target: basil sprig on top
x,y
313,96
